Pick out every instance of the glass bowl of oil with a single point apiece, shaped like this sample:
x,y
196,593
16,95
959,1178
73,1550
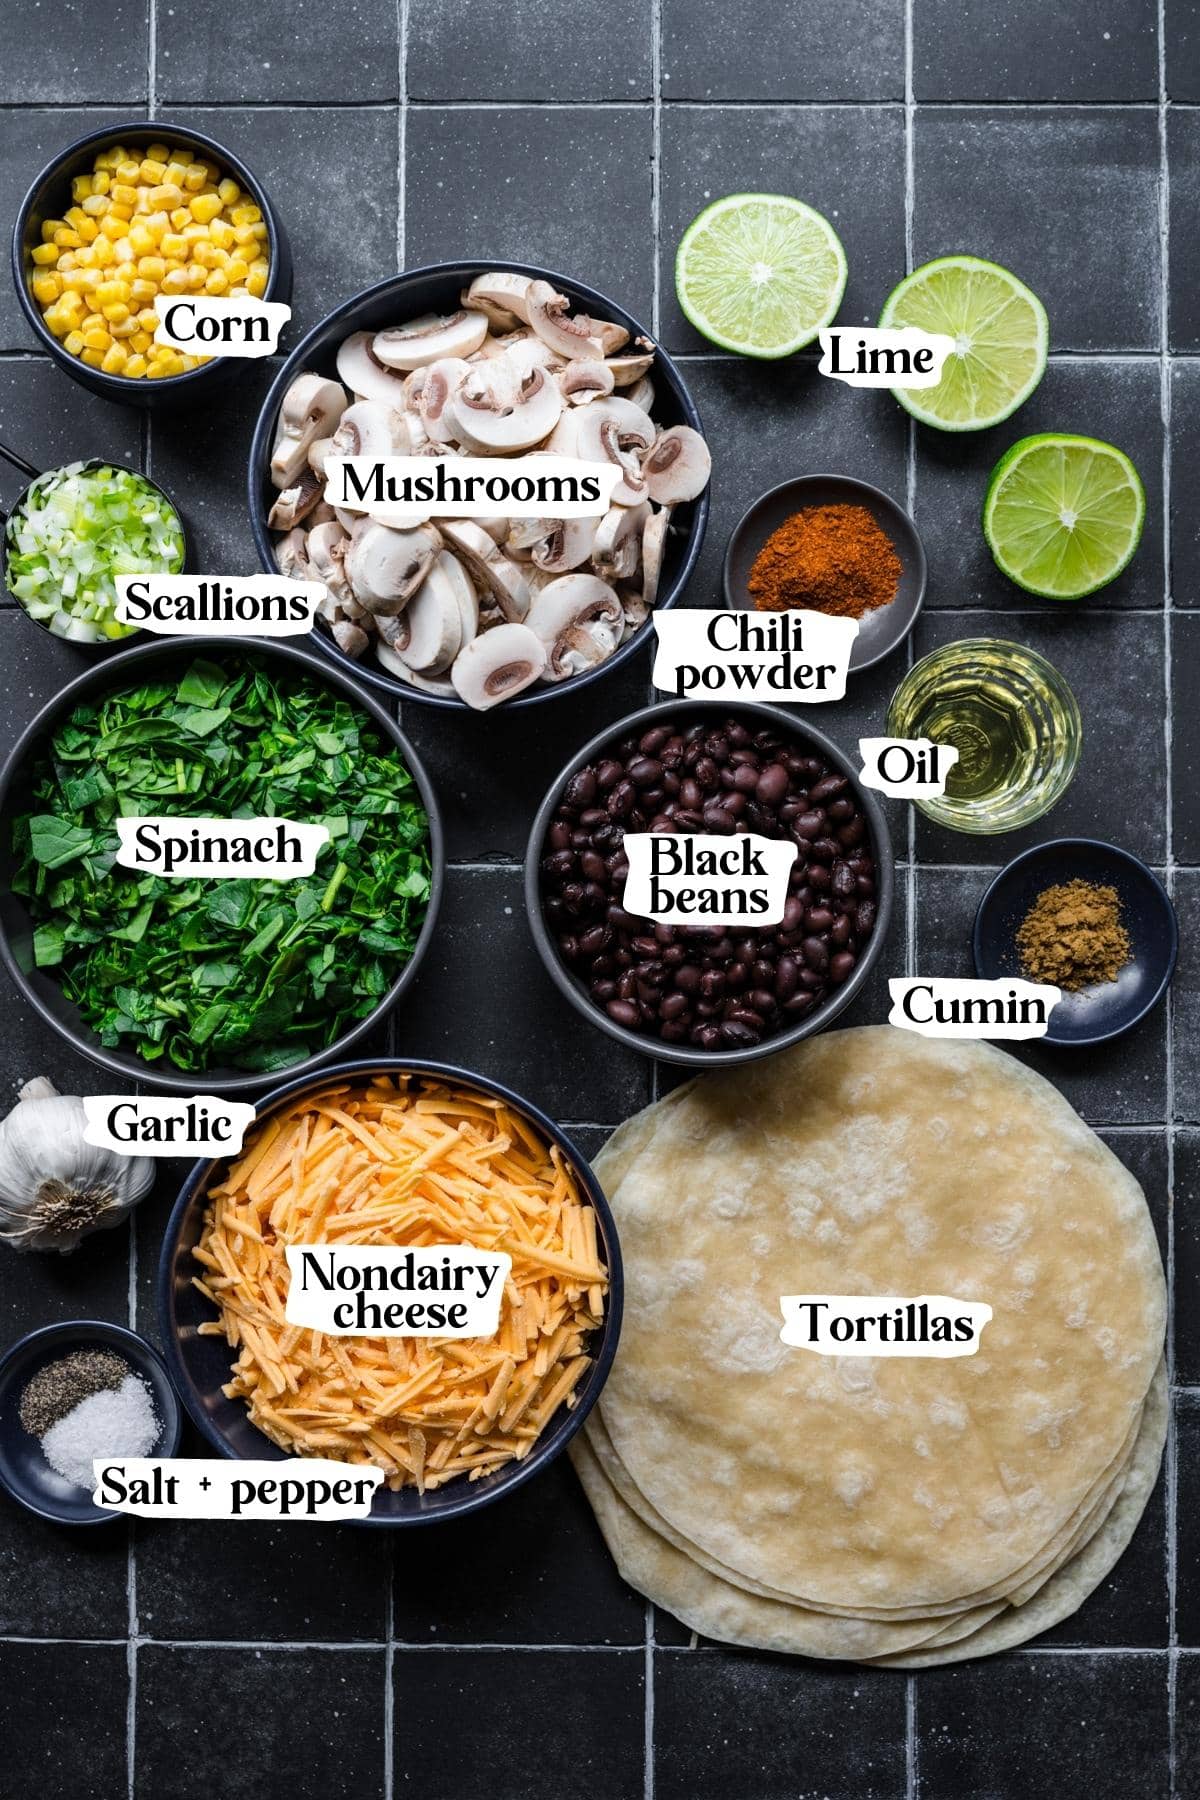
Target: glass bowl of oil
x,y
1013,720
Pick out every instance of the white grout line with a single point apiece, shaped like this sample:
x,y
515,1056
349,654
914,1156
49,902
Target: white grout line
x,y
401,133
648,1733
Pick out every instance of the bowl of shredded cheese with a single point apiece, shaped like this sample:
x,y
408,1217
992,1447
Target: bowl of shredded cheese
x,y
394,1155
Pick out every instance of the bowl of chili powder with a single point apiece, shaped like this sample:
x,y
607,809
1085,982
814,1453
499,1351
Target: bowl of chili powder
x,y
831,544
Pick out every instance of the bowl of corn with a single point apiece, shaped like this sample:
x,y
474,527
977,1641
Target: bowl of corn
x,y
124,218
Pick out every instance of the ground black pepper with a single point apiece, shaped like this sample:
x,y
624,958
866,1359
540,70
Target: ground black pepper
x,y
58,1387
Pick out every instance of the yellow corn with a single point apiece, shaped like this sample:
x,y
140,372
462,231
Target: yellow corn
x,y
175,281
115,358
217,282
49,227
140,291
124,193
96,207
67,238
46,288
195,178
167,194
81,187
97,338
236,269
246,214
66,260
142,240
159,152
125,329
148,320
152,171
197,275
136,366
205,207
116,313
229,191
102,252
73,343
89,231
256,285
93,358
141,340
101,181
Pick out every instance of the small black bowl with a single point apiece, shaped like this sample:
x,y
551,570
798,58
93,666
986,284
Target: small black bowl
x,y
144,663
880,631
437,289
755,714
24,1470
49,197
1093,1015
201,1365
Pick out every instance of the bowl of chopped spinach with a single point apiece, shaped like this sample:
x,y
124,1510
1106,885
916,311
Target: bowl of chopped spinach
x,y
179,978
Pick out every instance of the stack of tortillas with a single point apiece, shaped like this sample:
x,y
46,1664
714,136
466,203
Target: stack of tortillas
x,y
908,1510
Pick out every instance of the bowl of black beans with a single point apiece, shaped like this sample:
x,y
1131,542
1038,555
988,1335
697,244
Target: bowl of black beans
x,y
724,992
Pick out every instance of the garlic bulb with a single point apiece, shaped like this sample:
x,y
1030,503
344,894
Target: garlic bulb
x,y
54,1187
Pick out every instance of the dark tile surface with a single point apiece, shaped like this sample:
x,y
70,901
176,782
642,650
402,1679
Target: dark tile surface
x,y
1187,1724
1182,49
48,424
1117,401
1025,51
199,457
1187,1453
553,50
849,52
303,51
58,1582
1044,1724
514,182
1185,741
1183,150
732,1722
1014,185
1187,1258
474,1725
1185,452
101,55
308,1721
1185,996
62,1719
848,162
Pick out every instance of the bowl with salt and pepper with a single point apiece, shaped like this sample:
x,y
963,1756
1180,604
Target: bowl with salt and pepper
x,y
832,544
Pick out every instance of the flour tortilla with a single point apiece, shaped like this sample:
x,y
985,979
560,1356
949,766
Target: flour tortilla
x,y
876,1162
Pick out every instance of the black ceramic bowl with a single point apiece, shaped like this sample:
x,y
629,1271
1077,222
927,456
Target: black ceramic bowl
x,y
49,197
880,631
201,1365
436,289
24,1470
689,1055
1093,1015
16,936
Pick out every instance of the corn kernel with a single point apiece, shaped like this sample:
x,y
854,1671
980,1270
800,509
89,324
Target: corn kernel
x,y
141,340
191,362
49,227
152,171
141,293
56,322
256,285
197,275
175,281
123,213
123,193
101,181
46,288
115,358
66,260
167,194
128,172
108,291
116,313
89,231
67,238
221,233
229,191
97,337
217,282
236,269
93,322
136,366
159,152
259,231
185,157
205,207
173,244
75,216
176,170
81,187
112,159
125,329
195,178
73,342
142,240
112,226
238,293
102,252
144,203
158,224
96,207
148,320
243,234
93,358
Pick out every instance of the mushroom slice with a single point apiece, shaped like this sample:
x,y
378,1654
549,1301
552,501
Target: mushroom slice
x,y
497,528
677,467
368,428
364,374
497,665
501,297
434,620
626,370
487,421
523,534
310,409
451,566
442,381
326,548
429,338
617,548
614,430
291,555
563,609
349,637
497,579
296,502
549,315
654,539
567,543
318,455
584,380
642,394
613,337
428,684
385,567
321,514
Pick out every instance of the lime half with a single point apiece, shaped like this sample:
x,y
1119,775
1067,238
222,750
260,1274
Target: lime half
x,y
1000,333
760,274
1063,515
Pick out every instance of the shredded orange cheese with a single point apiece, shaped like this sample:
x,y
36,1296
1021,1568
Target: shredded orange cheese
x,y
405,1163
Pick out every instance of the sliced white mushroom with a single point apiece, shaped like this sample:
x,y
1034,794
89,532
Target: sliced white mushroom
x,y
549,315
583,380
617,547
561,615
459,578
522,534
498,664
349,637
310,409
326,549
613,337
677,467
642,394
364,374
318,455
426,339
654,539
566,545
615,431
581,647
486,422
626,370
385,567
291,555
497,528
296,502
563,440
442,381
502,585
434,622
321,514
501,297
636,610
368,428
428,684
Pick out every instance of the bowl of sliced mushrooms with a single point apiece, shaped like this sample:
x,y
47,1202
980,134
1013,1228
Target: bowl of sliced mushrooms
x,y
461,360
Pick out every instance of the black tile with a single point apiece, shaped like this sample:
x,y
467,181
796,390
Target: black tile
x,y
30,1047
1187,1725
848,162
561,50
744,53
484,1000
1025,51
48,422
1183,149
1015,186
198,454
308,1722
1187,1259
264,1582
1187,1562
485,1724
1185,454
1185,739
1113,663
90,53
1078,1727
39,1287
752,420
1182,35
58,1582
62,1720
567,189
1185,1010
339,211
1121,1083
731,1722
1116,401
295,50
499,1576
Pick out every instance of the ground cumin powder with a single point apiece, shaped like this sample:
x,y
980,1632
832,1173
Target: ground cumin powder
x,y
1072,936
830,559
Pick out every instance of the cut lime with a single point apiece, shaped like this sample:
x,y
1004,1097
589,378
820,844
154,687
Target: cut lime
x,y
760,274
1063,514
1000,335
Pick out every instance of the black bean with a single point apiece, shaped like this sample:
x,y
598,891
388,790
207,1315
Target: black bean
x,y
737,1035
652,741
645,771
827,788
841,965
809,825
816,954
624,1012
580,791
